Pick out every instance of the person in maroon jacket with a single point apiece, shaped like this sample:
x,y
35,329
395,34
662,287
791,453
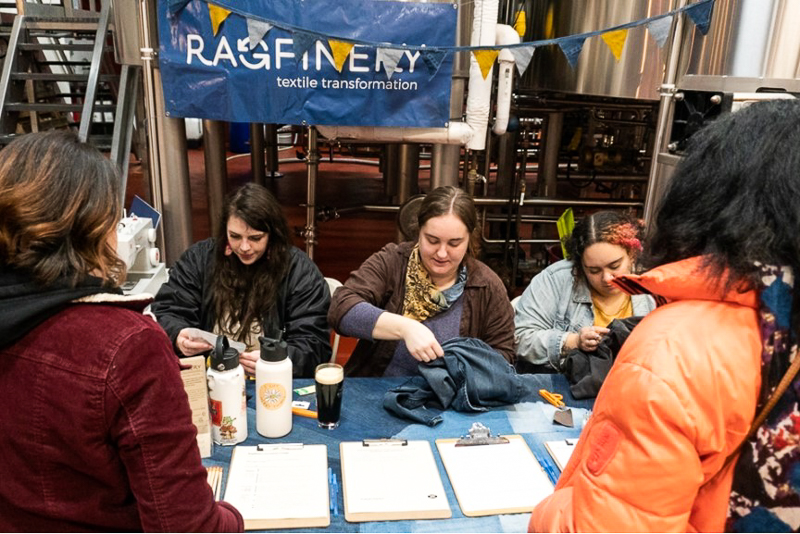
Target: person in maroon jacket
x,y
97,430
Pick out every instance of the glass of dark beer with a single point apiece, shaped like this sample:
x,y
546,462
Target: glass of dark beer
x,y
329,378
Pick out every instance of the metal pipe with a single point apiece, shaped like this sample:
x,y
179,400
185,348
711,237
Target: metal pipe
x,y
312,163
148,67
407,171
175,186
216,171
257,164
548,166
445,162
551,202
390,151
272,150
665,106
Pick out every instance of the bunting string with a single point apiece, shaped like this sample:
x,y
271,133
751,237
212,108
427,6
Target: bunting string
x,y
571,45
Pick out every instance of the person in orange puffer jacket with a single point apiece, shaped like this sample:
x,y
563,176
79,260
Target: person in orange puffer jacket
x,y
690,379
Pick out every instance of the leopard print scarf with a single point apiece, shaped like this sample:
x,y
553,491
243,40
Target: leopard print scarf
x,y
422,299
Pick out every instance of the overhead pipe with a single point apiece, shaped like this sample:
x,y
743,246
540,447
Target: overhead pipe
x,y
505,76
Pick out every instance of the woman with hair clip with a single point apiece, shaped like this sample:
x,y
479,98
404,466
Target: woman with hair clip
x,y
407,299
87,443
570,304
682,437
250,281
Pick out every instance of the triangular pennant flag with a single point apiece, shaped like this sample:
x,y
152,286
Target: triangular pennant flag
x,y
485,59
520,23
522,57
302,41
615,41
218,16
256,30
701,15
341,50
175,6
659,29
433,60
389,57
572,49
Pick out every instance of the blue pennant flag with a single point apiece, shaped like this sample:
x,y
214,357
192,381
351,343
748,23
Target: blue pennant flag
x,y
433,60
174,6
302,41
659,29
701,15
572,49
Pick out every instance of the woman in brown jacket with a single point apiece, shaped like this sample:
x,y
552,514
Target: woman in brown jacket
x,y
407,299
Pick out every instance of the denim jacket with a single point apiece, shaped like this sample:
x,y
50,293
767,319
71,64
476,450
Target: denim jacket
x,y
554,305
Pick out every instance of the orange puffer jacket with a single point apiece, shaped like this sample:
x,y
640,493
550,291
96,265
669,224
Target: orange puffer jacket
x,y
679,399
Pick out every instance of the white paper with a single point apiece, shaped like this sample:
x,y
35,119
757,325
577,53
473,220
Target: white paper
x,y
279,482
211,339
561,450
488,479
391,478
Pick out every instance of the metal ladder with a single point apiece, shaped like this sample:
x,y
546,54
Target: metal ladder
x,y
59,72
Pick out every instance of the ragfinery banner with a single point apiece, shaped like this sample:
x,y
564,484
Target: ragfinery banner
x,y
307,62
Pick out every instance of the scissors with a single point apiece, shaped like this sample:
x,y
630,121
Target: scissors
x,y
556,399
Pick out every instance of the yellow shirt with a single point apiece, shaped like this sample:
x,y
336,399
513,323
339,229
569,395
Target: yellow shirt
x,y
601,318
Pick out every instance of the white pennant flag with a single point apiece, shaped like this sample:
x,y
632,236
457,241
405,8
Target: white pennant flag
x,y
390,57
256,30
659,29
522,57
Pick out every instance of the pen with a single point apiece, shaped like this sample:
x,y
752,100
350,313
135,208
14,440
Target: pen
x,y
304,413
335,496
550,469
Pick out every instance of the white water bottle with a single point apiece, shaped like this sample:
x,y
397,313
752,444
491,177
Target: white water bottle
x,y
273,388
227,400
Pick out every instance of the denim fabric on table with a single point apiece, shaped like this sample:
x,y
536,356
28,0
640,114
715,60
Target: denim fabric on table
x,y
470,377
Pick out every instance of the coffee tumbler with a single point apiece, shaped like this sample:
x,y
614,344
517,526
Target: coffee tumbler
x,y
329,378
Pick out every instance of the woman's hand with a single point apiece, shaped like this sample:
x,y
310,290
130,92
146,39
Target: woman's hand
x,y
420,341
589,337
248,360
586,339
189,346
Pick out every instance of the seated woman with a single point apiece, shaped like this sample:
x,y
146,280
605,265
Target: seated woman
x,y
87,443
407,299
569,304
674,443
248,282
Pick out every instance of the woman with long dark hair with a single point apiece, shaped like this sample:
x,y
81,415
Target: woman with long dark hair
x,y
97,430
407,299
248,282
674,443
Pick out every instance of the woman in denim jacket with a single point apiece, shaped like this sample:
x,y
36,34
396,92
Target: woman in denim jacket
x,y
569,305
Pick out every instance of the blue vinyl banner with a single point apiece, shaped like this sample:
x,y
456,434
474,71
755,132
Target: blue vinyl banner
x,y
289,76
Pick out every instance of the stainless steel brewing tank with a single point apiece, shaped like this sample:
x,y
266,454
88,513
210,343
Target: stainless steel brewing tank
x,y
751,45
639,71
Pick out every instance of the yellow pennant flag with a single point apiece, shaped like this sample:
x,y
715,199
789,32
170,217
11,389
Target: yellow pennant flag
x,y
520,23
218,16
340,51
485,59
615,41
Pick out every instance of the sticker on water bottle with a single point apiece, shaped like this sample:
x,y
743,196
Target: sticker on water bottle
x,y
272,396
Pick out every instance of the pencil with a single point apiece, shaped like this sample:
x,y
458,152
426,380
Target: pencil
x,y
304,413
218,489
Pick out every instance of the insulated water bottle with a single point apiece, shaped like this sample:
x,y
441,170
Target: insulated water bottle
x,y
273,388
227,401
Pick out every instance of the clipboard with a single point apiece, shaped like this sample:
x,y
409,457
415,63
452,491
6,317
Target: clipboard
x,y
496,478
385,480
281,485
561,450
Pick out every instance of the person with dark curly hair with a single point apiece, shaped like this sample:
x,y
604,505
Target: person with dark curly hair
x,y
692,430
247,282
97,429
569,304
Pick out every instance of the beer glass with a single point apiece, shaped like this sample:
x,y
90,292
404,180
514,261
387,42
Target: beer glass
x,y
329,379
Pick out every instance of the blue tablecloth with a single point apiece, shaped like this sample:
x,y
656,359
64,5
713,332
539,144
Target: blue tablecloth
x,y
363,416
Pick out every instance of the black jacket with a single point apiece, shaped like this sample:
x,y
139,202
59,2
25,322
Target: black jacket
x,y
185,301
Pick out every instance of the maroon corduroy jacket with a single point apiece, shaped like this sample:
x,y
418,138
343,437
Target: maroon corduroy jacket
x,y
97,431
